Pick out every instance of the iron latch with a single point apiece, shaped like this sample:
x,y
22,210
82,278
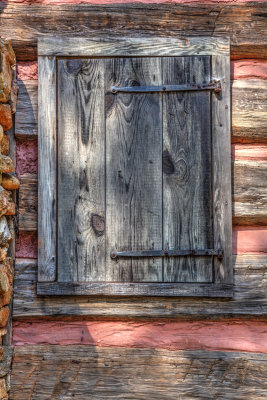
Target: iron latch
x,y
214,85
167,253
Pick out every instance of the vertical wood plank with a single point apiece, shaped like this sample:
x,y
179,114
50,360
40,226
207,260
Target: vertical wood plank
x,y
187,212
221,147
47,169
133,169
81,171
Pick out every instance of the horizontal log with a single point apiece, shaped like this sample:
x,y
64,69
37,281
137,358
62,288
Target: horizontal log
x,y
26,115
28,203
244,23
54,372
249,196
249,117
249,192
250,298
183,335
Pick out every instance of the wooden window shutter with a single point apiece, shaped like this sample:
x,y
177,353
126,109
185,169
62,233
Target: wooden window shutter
x,y
134,167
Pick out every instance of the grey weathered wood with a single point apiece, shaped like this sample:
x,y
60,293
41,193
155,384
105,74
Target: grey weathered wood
x,y
134,174
221,154
248,110
47,169
26,116
187,213
133,169
81,171
132,47
249,192
243,22
250,298
134,289
82,371
249,117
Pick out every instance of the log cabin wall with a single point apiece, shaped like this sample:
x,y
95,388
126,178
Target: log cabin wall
x,y
76,347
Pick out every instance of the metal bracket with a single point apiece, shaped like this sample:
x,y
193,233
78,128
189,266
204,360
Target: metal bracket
x,y
214,85
167,253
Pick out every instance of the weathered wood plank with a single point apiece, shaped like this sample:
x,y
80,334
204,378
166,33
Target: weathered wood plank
x,y
248,110
244,23
47,169
221,172
249,117
187,214
104,372
81,171
28,203
132,47
26,116
250,298
134,289
133,169
250,192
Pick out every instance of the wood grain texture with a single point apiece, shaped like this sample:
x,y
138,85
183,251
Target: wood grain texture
x,y
26,116
187,198
133,169
138,289
250,193
221,185
28,203
250,279
132,47
81,171
47,169
249,98
66,372
244,23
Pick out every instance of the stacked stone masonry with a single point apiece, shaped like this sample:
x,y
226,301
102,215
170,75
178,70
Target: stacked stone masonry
x,y
8,184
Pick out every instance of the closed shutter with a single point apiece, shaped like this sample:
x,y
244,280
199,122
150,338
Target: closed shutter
x,y
134,173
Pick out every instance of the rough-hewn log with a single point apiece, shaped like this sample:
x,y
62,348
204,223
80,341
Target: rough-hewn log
x,y
249,196
249,117
250,298
249,192
28,203
244,23
249,120
106,373
26,114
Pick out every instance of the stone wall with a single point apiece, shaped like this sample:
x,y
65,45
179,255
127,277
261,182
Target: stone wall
x,y
8,96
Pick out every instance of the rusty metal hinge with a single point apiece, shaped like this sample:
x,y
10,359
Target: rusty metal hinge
x,y
167,253
214,85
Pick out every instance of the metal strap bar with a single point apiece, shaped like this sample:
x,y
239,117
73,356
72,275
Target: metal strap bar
x,y
166,253
214,85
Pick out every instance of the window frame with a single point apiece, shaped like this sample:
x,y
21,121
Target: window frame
x,y
49,50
